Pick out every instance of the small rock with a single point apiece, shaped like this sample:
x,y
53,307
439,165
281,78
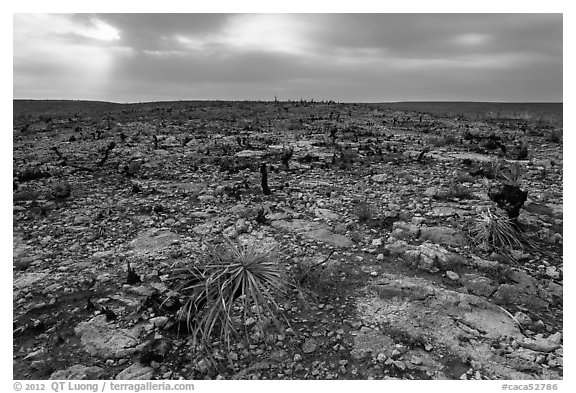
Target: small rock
x,y
452,275
381,358
400,364
555,338
203,366
137,371
552,272
539,344
522,318
159,322
297,357
309,346
78,372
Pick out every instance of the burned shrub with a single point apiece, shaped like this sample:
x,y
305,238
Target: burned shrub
x,y
364,212
32,173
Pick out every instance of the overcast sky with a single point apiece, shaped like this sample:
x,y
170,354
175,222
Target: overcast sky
x,y
341,57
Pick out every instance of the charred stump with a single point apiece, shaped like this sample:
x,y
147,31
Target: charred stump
x,y
509,198
107,151
264,174
286,156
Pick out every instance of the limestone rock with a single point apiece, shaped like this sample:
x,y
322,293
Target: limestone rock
x,y
539,344
513,294
78,372
325,236
137,371
153,241
309,346
479,285
101,339
443,235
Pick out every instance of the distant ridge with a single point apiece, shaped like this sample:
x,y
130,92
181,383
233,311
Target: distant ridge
x,y
22,107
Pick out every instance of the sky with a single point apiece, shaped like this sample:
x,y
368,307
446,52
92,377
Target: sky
x,y
341,57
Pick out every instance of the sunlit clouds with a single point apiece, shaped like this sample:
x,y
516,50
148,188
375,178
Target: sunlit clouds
x,y
343,57
56,56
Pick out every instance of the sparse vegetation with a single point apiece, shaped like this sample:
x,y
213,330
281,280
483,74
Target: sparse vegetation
x,y
230,285
60,189
496,232
555,136
364,212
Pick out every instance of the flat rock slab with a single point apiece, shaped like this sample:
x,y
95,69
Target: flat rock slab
x,y
327,214
313,230
23,255
152,241
464,325
446,211
470,156
136,371
26,280
190,188
370,342
78,372
325,236
298,226
106,341
249,154
443,235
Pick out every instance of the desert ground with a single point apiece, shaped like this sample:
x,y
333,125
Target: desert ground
x,y
414,240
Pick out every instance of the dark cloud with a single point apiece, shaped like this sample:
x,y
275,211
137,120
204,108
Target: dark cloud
x,y
346,57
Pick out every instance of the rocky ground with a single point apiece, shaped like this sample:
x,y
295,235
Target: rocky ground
x,y
386,197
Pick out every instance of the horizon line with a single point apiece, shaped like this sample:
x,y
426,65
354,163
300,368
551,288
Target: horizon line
x,y
311,100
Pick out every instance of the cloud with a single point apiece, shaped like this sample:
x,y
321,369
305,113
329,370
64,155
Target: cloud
x,y
366,57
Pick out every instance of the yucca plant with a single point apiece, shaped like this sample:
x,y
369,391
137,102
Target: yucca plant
x,y
496,232
511,175
236,282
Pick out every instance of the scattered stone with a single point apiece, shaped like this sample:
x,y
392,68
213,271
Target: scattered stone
x,y
325,236
479,285
159,322
522,318
513,294
443,235
539,344
153,241
78,372
309,346
137,371
28,279
431,257
101,339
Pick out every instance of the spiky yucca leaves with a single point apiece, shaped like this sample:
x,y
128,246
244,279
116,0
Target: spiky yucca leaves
x,y
497,232
236,282
511,174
